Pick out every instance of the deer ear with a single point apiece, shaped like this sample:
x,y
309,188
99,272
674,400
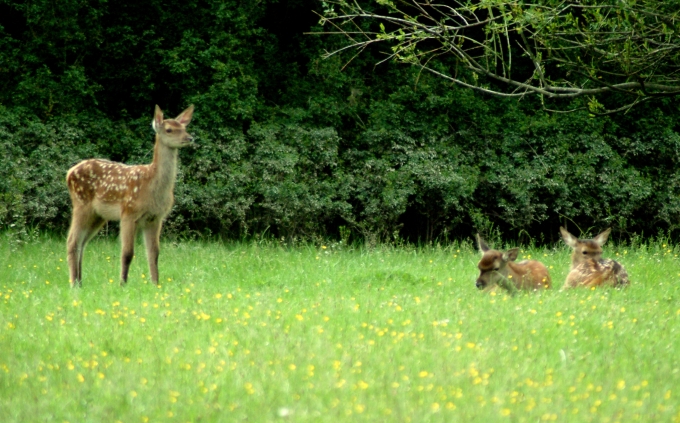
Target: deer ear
x,y
185,117
157,119
568,238
602,237
511,255
482,245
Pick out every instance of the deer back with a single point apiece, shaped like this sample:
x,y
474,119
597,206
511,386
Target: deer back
x,y
530,274
603,272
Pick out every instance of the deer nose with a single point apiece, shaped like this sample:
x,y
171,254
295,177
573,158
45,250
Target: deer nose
x,y
479,284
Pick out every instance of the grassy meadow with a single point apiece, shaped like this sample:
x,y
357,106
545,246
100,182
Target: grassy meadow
x,y
323,333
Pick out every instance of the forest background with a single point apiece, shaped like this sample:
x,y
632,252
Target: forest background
x,y
298,147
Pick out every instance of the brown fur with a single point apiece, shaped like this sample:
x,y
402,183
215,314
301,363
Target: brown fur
x,y
139,196
588,268
497,267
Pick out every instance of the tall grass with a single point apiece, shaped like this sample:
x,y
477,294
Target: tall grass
x,y
323,333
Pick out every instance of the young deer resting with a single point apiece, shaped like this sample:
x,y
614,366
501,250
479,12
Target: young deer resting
x,y
139,196
498,268
588,268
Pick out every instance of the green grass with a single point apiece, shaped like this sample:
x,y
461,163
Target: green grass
x,y
267,333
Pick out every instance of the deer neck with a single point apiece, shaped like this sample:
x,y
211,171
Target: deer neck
x,y
577,260
164,167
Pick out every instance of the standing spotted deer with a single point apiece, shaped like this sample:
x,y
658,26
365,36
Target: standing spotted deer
x,y
498,268
140,197
588,268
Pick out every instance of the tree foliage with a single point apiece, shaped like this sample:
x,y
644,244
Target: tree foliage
x,y
295,146
615,52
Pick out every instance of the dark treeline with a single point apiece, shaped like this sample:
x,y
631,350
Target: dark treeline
x,y
294,146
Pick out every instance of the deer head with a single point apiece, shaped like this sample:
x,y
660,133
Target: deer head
x,y
172,132
493,266
585,249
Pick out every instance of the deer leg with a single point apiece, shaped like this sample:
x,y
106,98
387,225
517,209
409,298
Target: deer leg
x,y
152,235
128,228
91,230
83,227
74,256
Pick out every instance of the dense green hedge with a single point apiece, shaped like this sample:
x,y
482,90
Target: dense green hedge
x,y
298,147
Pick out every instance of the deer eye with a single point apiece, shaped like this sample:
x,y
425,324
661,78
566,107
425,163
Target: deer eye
x,y
169,130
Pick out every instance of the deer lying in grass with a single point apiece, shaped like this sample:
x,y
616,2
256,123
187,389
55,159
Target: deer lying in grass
x,y
498,268
139,196
588,268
